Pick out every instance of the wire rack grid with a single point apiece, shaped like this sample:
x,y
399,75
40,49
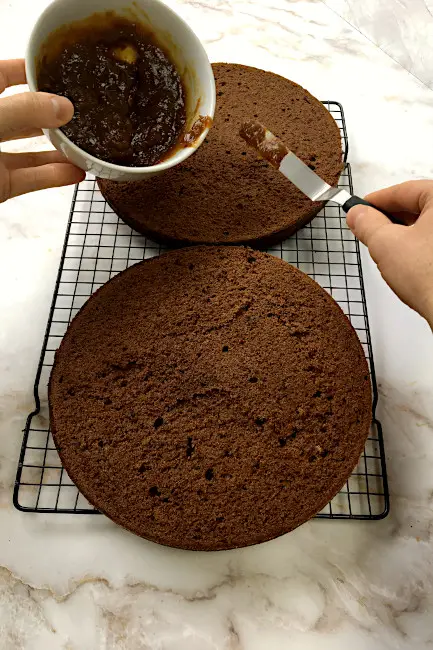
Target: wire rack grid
x,y
98,245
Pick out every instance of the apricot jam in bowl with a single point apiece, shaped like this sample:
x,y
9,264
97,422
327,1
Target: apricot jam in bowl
x,y
139,78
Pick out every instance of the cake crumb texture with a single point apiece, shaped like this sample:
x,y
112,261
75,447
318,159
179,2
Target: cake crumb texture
x,y
210,398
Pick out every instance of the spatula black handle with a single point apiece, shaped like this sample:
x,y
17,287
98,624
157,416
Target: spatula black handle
x,y
356,200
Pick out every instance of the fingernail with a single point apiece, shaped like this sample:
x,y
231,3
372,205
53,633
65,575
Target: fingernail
x,y
63,108
354,215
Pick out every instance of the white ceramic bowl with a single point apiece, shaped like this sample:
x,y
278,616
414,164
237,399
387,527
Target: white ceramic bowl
x,y
174,35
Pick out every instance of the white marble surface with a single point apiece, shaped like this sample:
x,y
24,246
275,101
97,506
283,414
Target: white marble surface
x,y
401,28
81,583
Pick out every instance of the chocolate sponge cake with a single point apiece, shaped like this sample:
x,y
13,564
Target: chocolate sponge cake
x,y
210,398
224,193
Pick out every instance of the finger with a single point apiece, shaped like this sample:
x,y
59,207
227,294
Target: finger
x,y
33,110
411,197
35,159
365,223
27,133
12,73
40,178
409,218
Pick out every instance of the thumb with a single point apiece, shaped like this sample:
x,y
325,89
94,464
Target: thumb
x,y
365,222
33,110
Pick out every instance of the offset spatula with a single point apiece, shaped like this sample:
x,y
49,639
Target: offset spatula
x,y
279,156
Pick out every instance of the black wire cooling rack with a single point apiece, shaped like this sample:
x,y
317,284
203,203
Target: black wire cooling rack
x,y
98,245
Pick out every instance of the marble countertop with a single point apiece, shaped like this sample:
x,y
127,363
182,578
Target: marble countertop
x,y
82,583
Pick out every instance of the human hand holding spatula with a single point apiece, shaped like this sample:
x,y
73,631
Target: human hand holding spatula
x,y
274,150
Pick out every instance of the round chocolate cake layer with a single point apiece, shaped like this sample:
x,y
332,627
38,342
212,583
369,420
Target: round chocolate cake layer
x,y
210,398
225,193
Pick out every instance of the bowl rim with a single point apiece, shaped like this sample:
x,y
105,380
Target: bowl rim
x,y
181,154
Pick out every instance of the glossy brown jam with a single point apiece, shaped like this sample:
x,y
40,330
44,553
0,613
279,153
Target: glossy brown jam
x,y
128,96
202,123
264,142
